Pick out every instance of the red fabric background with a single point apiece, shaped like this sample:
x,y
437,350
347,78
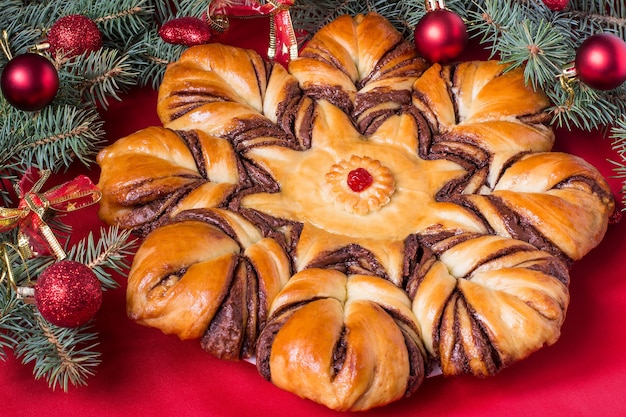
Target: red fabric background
x,y
146,373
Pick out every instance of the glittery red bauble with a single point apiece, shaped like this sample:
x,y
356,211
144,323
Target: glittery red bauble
x,y
68,294
29,82
187,31
556,5
440,36
601,61
74,35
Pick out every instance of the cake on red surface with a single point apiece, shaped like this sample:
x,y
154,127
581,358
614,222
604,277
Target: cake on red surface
x,y
355,219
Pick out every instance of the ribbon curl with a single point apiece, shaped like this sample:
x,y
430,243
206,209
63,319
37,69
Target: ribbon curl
x,y
35,237
283,46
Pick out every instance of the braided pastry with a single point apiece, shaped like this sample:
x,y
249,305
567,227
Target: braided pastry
x,y
484,301
358,335
354,219
208,274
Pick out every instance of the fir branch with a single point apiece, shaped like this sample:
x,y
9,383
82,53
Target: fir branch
x,y
62,356
110,252
618,137
157,55
537,47
121,20
54,137
100,75
9,303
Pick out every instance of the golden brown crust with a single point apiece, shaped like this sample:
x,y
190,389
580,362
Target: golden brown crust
x,y
468,212
154,172
185,272
484,302
344,343
561,203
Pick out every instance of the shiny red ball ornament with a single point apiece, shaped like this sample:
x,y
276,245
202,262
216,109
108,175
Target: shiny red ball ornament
x,y
187,31
74,35
68,294
601,61
441,36
29,82
556,5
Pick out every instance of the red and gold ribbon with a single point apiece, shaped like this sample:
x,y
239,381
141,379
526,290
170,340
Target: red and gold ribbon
x,y
283,46
35,237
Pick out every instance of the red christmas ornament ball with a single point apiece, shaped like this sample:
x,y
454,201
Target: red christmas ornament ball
x,y
74,35
441,36
556,5
187,31
68,294
601,61
29,82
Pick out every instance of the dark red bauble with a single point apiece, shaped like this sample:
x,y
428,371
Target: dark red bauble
x,y
68,294
441,36
187,31
74,35
601,61
29,82
556,5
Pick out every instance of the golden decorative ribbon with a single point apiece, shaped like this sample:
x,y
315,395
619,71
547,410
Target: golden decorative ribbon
x,y
35,206
283,46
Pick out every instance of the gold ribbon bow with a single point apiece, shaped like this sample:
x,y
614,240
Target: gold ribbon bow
x,y
35,206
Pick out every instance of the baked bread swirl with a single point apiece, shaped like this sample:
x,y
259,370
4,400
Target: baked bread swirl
x,y
157,172
486,301
356,335
360,195
208,274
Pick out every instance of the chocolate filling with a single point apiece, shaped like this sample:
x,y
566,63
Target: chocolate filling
x,y
245,134
334,94
311,52
265,341
168,280
192,141
413,255
519,228
366,101
589,182
285,232
255,321
417,366
405,68
553,267
260,179
188,101
304,121
350,259
146,217
458,359
210,217
339,352
224,337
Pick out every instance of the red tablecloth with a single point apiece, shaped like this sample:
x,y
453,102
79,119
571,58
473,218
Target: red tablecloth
x,y
146,373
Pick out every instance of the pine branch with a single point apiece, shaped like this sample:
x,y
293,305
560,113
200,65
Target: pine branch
x,y
116,19
9,303
618,137
109,253
52,138
157,55
100,75
62,356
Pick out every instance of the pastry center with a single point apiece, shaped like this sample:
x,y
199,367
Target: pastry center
x,y
360,185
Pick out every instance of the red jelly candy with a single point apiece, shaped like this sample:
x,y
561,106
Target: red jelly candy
x,y
359,179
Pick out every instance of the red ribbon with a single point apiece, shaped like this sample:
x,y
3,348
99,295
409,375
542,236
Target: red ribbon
x,y
283,46
35,236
